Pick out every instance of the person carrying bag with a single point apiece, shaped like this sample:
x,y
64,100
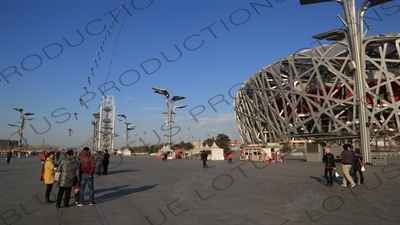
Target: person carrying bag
x,y
68,171
358,166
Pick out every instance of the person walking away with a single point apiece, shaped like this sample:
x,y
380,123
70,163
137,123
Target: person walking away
x,y
87,165
8,156
58,156
98,159
352,163
330,165
204,156
230,157
106,161
69,169
48,176
357,167
165,156
346,159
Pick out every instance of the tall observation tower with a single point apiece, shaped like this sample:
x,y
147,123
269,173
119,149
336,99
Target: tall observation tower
x,y
106,123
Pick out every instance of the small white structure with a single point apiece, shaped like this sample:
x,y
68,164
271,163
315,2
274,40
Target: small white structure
x,y
217,153
127,152
196,150
268,150
167,149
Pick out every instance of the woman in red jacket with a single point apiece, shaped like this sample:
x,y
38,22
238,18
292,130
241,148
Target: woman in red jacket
x,y
230,157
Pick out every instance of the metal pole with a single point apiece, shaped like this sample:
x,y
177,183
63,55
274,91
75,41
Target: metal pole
x,y
169,120
359,80
364,130
94,134
126,133
354,42
20,129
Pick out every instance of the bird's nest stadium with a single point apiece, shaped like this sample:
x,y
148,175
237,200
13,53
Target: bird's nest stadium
x,y
311,94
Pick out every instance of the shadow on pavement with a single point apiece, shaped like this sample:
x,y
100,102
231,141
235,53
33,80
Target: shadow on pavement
x,y
120,171
295,159
121,191
320,180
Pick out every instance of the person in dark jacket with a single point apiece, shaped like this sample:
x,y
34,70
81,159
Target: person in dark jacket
x,y
106,161
87,166
165,156
58,156
352,163
8,156
69,169
330,165
357,167
347,160
204,157
98,159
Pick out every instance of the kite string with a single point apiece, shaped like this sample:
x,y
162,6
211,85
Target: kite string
x,y
103,45
116,41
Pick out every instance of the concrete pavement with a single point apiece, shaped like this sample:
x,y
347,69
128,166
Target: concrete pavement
x,y
146,190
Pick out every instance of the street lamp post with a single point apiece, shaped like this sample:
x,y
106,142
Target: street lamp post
x,y
21,127
144,138
96,132
127,128
356,47
364,134
170,107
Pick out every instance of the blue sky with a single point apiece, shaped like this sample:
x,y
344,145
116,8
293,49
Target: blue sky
x,y
221,44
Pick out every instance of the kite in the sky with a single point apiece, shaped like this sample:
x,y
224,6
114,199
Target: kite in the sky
x,y
75,114
88,79
98,53
84,87
95,61
80,101
92,70
70,131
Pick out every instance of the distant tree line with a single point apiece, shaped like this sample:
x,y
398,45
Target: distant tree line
x,y
222,140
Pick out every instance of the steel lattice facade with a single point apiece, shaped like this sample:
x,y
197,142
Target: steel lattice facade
x,y
312,93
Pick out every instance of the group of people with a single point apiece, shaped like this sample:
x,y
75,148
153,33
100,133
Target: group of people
x,y
101,161
73,172
204,158
352,162
228,155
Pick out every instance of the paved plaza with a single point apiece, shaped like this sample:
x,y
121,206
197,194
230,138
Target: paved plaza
x,y
145,190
